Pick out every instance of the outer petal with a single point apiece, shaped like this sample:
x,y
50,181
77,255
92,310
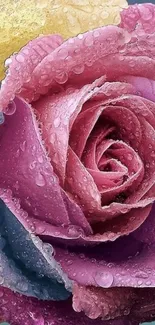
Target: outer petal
x,y
28,265
31,177
126,262
138,304
22,64
25,168
68,18
105,303
146,233
56,115
20,310
123,53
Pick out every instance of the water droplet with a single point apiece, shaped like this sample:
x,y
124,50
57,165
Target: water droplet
x,y
78,69
140,282
10,109
32,165
73,232
48,249
82,256
57,122
148,283
132,64
1,279
96,33
40,180
110,265
104,279
1,118
32,228
40,159
61,77
89,40
8,62
129,157
141,274
22,146
22,286
80,36
69,262
20,58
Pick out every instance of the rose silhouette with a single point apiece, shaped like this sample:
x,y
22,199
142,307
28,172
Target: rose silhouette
x,y
77,162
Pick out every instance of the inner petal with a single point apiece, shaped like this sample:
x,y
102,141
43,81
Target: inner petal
x,y
81,184
89,157
56,115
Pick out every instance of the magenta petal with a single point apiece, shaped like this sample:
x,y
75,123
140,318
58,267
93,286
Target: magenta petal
x,y
21,310
56,115
25,168
145,86
124,263
32,180
105,303
146,233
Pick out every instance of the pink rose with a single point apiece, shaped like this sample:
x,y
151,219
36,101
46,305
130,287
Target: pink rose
x,y
78,150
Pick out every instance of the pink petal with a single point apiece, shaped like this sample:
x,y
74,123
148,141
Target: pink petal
x,y
105,303
56,114
143,13
27,171
20,72
111,90
25,168
21,310
124,263
85,122
121,52
146,152
89,157
145,86
141,107
137,304
80,183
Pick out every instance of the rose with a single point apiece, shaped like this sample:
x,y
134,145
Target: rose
x,y
77,149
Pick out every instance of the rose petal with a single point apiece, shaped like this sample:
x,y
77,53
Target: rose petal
x,y
22,66
89,157
57,114
31,176
141,107
145,86
137,303
105,303
21,310
142,13
123,55
124,263
81,184
146,152
146,232
27,265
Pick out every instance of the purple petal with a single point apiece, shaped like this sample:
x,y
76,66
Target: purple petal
x,y
21,310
